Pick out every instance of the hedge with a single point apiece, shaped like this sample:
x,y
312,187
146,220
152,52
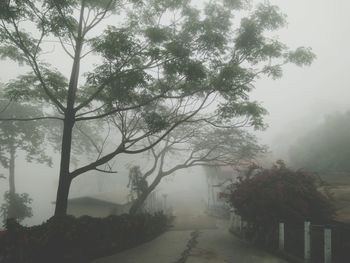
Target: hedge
x,y
73,240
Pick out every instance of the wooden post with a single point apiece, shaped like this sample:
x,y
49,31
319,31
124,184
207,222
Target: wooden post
x,y
307,239
327,245
281,237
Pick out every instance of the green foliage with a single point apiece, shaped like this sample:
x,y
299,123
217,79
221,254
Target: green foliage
x,y
224,146
154,121
156,34
326,148
19,204
197,51
27,87
70,240
301,56
153,53
251,111
280,194
28,137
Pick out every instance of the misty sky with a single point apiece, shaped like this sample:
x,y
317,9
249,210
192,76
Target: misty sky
x,y
295,102
305,95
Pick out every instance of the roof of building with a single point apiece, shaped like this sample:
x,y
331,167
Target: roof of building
x,y
110,198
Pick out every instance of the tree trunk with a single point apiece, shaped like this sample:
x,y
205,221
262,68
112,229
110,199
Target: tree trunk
x,y
64,177
137,204
12,188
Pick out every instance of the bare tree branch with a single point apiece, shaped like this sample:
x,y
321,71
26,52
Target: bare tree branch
x,y
31,119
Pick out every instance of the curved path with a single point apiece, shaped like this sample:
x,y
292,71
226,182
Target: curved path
x,y
194,239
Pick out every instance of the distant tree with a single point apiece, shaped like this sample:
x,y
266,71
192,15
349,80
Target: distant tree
x,y
326,148
137,183
196,145
155,53
16,206
27,138
279,194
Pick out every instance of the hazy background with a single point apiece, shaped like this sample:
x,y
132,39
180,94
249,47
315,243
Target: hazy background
x,y
295,103
305,95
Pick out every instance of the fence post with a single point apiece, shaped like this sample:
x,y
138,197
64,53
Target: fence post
x,y
307,247
232,220
240,224
328,245
281,237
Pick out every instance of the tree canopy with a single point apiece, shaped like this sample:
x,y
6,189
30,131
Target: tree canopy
x,y
146,55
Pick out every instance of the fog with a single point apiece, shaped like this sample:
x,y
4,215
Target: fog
x,y
296,103
304,96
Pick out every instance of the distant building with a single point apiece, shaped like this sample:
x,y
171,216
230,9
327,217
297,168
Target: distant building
x,y
100,205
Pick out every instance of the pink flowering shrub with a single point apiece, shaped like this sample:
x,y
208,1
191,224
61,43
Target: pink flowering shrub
x,y
280,194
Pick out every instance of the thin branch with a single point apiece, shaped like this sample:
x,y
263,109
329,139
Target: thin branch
x,y
91,111
31,119
6,106
59,10
97,20
104,141
105,171
89,138
169,130
98,162
65,49
118,110
32,61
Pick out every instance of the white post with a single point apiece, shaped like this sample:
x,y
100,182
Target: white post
x,y
327,245
237,222
231,224
307,247
281,237
240,224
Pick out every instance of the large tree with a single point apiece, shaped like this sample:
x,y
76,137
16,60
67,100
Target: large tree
x,y
154,52
189,146
16,138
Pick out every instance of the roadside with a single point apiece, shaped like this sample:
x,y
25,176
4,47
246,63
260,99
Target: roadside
x,y
219,246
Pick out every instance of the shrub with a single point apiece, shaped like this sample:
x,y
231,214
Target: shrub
x,y
277,195
69,239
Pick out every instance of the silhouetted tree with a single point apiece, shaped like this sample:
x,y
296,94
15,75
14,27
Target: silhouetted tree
x,y
197,145
27,138
152,53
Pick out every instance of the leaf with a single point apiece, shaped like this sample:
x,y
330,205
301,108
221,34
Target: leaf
x,y
12,52
156,34
302,56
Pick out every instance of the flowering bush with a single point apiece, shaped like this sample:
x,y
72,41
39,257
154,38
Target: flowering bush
x,y
277,195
